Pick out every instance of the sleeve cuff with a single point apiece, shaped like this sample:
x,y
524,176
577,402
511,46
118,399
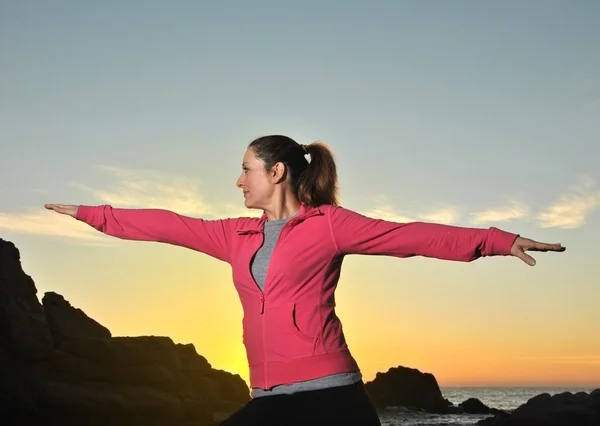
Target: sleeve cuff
x,y
88,214
501,242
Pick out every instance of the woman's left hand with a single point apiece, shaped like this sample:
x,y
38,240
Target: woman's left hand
x,y
521,245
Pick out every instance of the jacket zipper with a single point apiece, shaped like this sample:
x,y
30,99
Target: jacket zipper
x,y
264,345
262,311
262,301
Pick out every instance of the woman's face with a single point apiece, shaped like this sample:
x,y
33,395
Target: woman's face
x,y
257,184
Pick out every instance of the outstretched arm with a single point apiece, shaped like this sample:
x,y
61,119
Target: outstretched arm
x,y
211,237
357,234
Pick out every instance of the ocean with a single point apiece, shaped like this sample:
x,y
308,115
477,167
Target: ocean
x,y
507,398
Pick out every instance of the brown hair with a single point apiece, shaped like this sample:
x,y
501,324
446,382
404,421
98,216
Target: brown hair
x,y
315,183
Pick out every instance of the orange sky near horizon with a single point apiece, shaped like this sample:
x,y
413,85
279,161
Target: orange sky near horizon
x,y
134,289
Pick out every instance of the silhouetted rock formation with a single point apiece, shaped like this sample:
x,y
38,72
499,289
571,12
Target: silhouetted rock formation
x,y
411,389
66,321
563,409
407,387
60,367
475,406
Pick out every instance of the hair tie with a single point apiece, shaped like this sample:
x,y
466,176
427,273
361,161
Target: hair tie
x,y
306,154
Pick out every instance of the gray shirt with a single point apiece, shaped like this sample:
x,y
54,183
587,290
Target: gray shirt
x,y
259,267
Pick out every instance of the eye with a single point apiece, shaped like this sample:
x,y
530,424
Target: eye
x,y
245,169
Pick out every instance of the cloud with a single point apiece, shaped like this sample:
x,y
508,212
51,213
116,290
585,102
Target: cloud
x,y
137,188
570,210
514,210
49,223
149,188
234,210
133,188
444,215
387,213
153,189
384,210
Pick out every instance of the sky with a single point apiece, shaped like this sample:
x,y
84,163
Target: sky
x,y
466,113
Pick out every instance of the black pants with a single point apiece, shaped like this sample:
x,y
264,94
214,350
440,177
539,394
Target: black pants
x,y
337,406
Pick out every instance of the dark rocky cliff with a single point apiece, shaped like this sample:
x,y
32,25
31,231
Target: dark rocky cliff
x,y
60,367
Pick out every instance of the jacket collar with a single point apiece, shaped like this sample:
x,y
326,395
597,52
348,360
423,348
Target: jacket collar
x,y
304,213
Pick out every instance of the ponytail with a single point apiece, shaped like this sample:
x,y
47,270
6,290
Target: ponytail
x,y
318,185
311,168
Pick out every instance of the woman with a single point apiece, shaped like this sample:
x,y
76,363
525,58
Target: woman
x,y
286,265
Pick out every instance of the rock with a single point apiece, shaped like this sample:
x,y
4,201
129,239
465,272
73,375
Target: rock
x,y
65,320
563,409
25,339
23,328
60,367
103,401
455,410
475,406
190,360
125,351
407,387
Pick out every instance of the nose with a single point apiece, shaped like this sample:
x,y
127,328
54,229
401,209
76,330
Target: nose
x,y
238,183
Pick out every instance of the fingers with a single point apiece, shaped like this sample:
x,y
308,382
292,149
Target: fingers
x,y
525,258
536,246
59,208
67,209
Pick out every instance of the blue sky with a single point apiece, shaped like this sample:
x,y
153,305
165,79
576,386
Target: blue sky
x,y
464,112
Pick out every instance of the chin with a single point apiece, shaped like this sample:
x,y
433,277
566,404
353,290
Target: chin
x,y
251,206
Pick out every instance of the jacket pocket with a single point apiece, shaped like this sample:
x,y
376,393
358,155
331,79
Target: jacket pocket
x,y
284,338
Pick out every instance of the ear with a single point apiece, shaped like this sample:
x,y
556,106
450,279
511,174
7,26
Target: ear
x,y
278,172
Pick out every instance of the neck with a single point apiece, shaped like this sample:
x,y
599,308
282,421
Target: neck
x,y
282,206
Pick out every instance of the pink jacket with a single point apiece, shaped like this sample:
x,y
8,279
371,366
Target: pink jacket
x,y
291,331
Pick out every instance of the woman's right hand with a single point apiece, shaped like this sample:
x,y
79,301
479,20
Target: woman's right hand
x,y
67,209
